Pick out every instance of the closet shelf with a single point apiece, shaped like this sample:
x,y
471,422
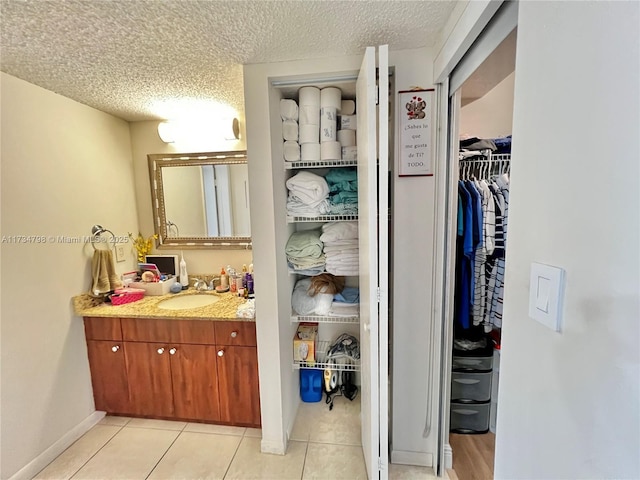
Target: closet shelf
x,y
319,164
322,362
323,318
322,218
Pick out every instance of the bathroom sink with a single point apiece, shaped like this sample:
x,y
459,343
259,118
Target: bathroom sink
x,y
188,301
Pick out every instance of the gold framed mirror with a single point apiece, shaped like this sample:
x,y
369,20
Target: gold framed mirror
x,y
200,200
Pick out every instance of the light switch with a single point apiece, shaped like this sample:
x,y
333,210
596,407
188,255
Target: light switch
x,y
546,291
120,253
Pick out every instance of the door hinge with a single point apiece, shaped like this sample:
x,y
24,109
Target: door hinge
x,y
379,464
377,95
378,294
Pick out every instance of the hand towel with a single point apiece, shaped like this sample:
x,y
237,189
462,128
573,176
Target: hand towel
x,y
103,272
308,187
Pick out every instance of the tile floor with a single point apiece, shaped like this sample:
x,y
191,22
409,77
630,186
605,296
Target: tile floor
x,y
324,445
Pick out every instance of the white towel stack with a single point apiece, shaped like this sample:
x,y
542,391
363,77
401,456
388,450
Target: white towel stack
x,y
308,195
289,115
347,133
340,247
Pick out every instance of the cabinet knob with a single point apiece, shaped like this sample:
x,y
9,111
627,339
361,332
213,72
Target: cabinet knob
x,y
115,348
220,353
160,351
234,334
173,351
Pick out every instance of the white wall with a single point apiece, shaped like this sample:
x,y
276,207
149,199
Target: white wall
x,y
569,402
65,168
492,115
145,140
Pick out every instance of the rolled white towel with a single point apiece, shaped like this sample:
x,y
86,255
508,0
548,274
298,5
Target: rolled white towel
x,y
288,109
310,188
290,130
291,151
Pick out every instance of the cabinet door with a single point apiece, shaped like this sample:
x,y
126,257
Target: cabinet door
x,y
373,174
238,384
195,382
108,376
149,374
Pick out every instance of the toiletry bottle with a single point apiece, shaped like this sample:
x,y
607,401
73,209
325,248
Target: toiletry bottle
x,y
250,286
224,282
244,276
184,277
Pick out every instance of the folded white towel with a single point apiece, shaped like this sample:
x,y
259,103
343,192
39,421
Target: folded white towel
x,y
291,151
310,188
288,109
296,208
290,130
339,231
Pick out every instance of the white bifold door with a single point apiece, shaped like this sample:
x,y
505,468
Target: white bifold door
x,y
373,172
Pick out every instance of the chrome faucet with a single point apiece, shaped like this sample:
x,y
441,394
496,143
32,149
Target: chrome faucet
x,y
200,285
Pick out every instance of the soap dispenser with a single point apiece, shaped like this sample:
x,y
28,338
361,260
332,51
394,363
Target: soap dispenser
x,y
184,277
224,281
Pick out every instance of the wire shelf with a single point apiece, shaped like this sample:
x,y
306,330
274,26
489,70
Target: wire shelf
x,y
322,362
320,164
324,319
321,218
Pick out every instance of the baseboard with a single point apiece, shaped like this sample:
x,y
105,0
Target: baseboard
x,y
448,457
276,448
419,459
32,468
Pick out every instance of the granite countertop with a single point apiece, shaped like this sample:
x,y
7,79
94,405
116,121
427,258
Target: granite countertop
x,y
224,309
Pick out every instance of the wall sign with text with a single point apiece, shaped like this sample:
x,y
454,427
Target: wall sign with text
x,y
416,123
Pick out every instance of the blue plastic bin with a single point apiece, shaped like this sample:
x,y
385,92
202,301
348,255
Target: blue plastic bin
x,y
311,385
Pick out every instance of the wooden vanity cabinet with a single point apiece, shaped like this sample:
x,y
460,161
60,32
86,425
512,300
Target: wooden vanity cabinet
x,y
176,369
238,372
108,369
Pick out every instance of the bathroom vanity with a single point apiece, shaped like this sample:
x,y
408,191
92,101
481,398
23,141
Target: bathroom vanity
x,y
151,363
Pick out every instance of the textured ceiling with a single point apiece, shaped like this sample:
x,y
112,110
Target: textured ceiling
x,y
142,59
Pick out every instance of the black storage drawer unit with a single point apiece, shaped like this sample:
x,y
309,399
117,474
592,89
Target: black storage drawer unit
x,y
470,417
474,386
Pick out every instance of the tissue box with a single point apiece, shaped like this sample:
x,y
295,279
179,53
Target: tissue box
x,y
305,342
155,288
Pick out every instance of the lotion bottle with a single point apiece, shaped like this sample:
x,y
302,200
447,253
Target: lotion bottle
x,y
184,277
224,282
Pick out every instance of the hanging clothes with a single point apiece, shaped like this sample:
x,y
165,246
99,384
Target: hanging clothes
x,y
482,215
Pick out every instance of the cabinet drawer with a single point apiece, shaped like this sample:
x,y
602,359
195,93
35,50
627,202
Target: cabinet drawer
x,y
471,386
168,331
470,417
472,363
102,328
235,333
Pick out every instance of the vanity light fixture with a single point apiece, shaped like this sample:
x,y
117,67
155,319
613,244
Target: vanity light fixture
x,y
171,131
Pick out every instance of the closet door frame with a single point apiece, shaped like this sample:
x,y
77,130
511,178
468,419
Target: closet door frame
x,y
478,32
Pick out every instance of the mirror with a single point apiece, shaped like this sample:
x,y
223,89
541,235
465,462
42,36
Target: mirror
x,y
200,200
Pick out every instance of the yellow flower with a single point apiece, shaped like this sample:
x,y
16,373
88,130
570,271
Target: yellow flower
x,y
142,245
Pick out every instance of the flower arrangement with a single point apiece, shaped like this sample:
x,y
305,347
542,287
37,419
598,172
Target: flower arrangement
x,y
142,245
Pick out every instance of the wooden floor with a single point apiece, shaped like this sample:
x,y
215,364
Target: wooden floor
x,y
473,455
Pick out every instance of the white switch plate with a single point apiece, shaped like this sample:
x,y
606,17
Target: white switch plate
x,y
546,292
119,253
